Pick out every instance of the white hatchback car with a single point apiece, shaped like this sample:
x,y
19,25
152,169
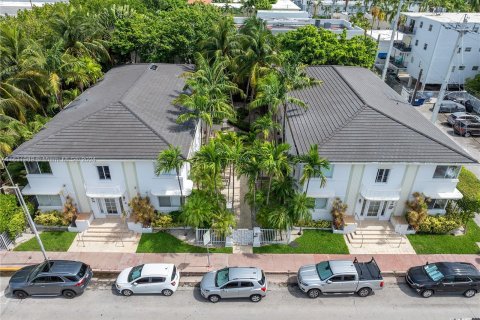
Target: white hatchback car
x,y
148,278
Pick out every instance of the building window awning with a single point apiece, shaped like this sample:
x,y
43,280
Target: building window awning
x,y
454,195
321,193
104,192
380,194
161,191
45,189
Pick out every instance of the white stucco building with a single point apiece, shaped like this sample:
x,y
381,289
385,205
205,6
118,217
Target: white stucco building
x,y
101,149
381,150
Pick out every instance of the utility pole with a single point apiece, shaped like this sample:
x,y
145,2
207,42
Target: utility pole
x,y
417,84
461,29
392,39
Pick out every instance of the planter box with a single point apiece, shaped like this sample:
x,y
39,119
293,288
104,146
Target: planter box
x,y
51,228
138,228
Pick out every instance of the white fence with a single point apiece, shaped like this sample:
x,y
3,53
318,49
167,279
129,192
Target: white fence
x,y
216,239
5,241
274,236
246,237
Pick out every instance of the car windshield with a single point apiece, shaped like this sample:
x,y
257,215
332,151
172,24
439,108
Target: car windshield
x,y
323,270
221,278
43,267
135,273
82,271
433,272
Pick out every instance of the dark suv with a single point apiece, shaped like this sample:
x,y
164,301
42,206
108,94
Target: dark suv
x,y
467,128
51,278
448,277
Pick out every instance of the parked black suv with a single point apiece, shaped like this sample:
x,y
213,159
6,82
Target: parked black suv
x,y
51,278
445,277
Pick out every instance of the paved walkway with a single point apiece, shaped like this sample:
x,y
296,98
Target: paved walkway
x,y
197,263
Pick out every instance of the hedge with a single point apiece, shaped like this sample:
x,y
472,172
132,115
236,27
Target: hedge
x,y
438,224
12,219
469,186
51,218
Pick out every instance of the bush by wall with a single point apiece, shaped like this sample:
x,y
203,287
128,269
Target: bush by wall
x,y
438,224
469,186
321,224
51,218
12,219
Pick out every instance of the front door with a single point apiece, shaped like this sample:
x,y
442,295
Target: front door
x,y
109,206
46,285
377,209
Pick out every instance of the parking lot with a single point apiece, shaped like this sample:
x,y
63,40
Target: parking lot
x,y
470,144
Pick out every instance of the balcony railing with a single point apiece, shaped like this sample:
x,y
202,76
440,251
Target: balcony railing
x,y
407,29
398,64
402,47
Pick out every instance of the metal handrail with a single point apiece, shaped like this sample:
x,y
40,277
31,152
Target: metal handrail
x,y
359,225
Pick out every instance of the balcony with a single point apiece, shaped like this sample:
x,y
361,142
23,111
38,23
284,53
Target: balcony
x,y
402,46
407,29
397,64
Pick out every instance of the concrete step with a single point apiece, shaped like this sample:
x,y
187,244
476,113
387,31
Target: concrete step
x,y
108,231
375,233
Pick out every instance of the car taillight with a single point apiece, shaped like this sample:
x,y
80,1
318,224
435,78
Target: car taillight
x,y
173,283
381,284
80,283
264,289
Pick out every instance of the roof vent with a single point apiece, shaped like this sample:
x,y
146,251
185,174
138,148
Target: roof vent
x,y
153,67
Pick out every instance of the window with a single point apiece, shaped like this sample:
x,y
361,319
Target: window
x,y
437,204
135,273
421,24
461,68
323,270
49,200
38,167
104,173
246,284
143,280
446,172
222,277
328,173
166,201
48,279
336,279
349,277
157,279
231,285
433,272
110,205
430,27
462,279
71,278
475,68
468,49
321,203
382,175
425,46
453,69
416,42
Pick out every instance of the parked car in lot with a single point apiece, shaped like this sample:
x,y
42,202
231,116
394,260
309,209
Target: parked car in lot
x,y
467,128
447,106
148,278
234,282
456,277
457,116
51,278
340,277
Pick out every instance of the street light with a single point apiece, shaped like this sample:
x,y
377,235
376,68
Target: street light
x,y
24,206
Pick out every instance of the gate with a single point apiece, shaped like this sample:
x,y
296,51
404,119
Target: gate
x,y
5,241
242,237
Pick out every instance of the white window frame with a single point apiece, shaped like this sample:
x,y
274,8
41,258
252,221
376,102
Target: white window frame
x,y
174,201
104,173
321,203
51,200
327,173
433,202
382,175
455,168
39,169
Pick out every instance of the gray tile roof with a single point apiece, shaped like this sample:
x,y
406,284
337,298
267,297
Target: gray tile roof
x,y
355,117
127,115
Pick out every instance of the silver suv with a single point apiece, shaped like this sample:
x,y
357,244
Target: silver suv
x,y
235,282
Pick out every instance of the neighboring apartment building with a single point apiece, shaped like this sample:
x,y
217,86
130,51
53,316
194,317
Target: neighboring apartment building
x,y
428,43
381,150
101,149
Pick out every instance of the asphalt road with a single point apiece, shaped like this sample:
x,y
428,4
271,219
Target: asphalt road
x,y
396,301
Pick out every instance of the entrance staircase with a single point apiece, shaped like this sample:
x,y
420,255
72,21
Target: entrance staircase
x,y
104,235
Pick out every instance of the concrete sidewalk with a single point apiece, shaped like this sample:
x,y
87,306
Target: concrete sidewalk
x,y
196,264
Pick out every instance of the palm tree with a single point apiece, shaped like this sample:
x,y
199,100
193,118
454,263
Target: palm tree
x,y
277,217
301,206
313,166
223,42
250,166
198,108
197,209
475,5
168,160
274,162
211,160
266,126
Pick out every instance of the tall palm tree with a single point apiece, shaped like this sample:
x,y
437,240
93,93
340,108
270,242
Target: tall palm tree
x,y
301,206
266,126
168,160
197,210
223,42
211,160
198,108
275,162
313,166
250,166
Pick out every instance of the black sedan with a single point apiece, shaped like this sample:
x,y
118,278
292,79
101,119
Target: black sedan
x,y
447,277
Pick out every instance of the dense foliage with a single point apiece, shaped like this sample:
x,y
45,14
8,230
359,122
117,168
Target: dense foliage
x,y
12,219
472,85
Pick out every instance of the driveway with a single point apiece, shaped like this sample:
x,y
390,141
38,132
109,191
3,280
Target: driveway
x,y
470,144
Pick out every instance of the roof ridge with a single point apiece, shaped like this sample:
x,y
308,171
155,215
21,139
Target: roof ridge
x,y
398,121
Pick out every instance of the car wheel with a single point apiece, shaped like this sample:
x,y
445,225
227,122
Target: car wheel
x,y
20,294
127,293
167,292
364,292
69,294
467,134
313,293
427,293
214,298
255,297
470,293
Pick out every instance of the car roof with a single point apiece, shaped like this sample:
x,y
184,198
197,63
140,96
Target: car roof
x,y
457,268
447,102
157,269
459,114
342,266
241,273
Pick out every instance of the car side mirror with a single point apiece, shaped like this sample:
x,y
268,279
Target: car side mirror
x,y
135,283
329,281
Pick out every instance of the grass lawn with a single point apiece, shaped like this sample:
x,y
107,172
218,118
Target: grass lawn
x,y
162,242
312,241
441,243
52,241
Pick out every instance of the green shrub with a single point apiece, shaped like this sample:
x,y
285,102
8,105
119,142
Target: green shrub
x,y
12,219
323,224
52,218
163,221
175,216
469,186
438,224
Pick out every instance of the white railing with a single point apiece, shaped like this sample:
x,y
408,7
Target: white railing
x,y
274,236
215,238
5,241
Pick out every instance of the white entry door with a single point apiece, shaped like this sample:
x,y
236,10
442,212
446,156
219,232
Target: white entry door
x,y
374,209
109,206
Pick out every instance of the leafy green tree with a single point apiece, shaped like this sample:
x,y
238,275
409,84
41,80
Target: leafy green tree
x,y
12,218
210,160
472,85
301,206
223,42
313,166
275,162
266,126
169,160
197,210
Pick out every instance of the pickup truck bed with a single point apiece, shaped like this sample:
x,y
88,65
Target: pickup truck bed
x,y
368,270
